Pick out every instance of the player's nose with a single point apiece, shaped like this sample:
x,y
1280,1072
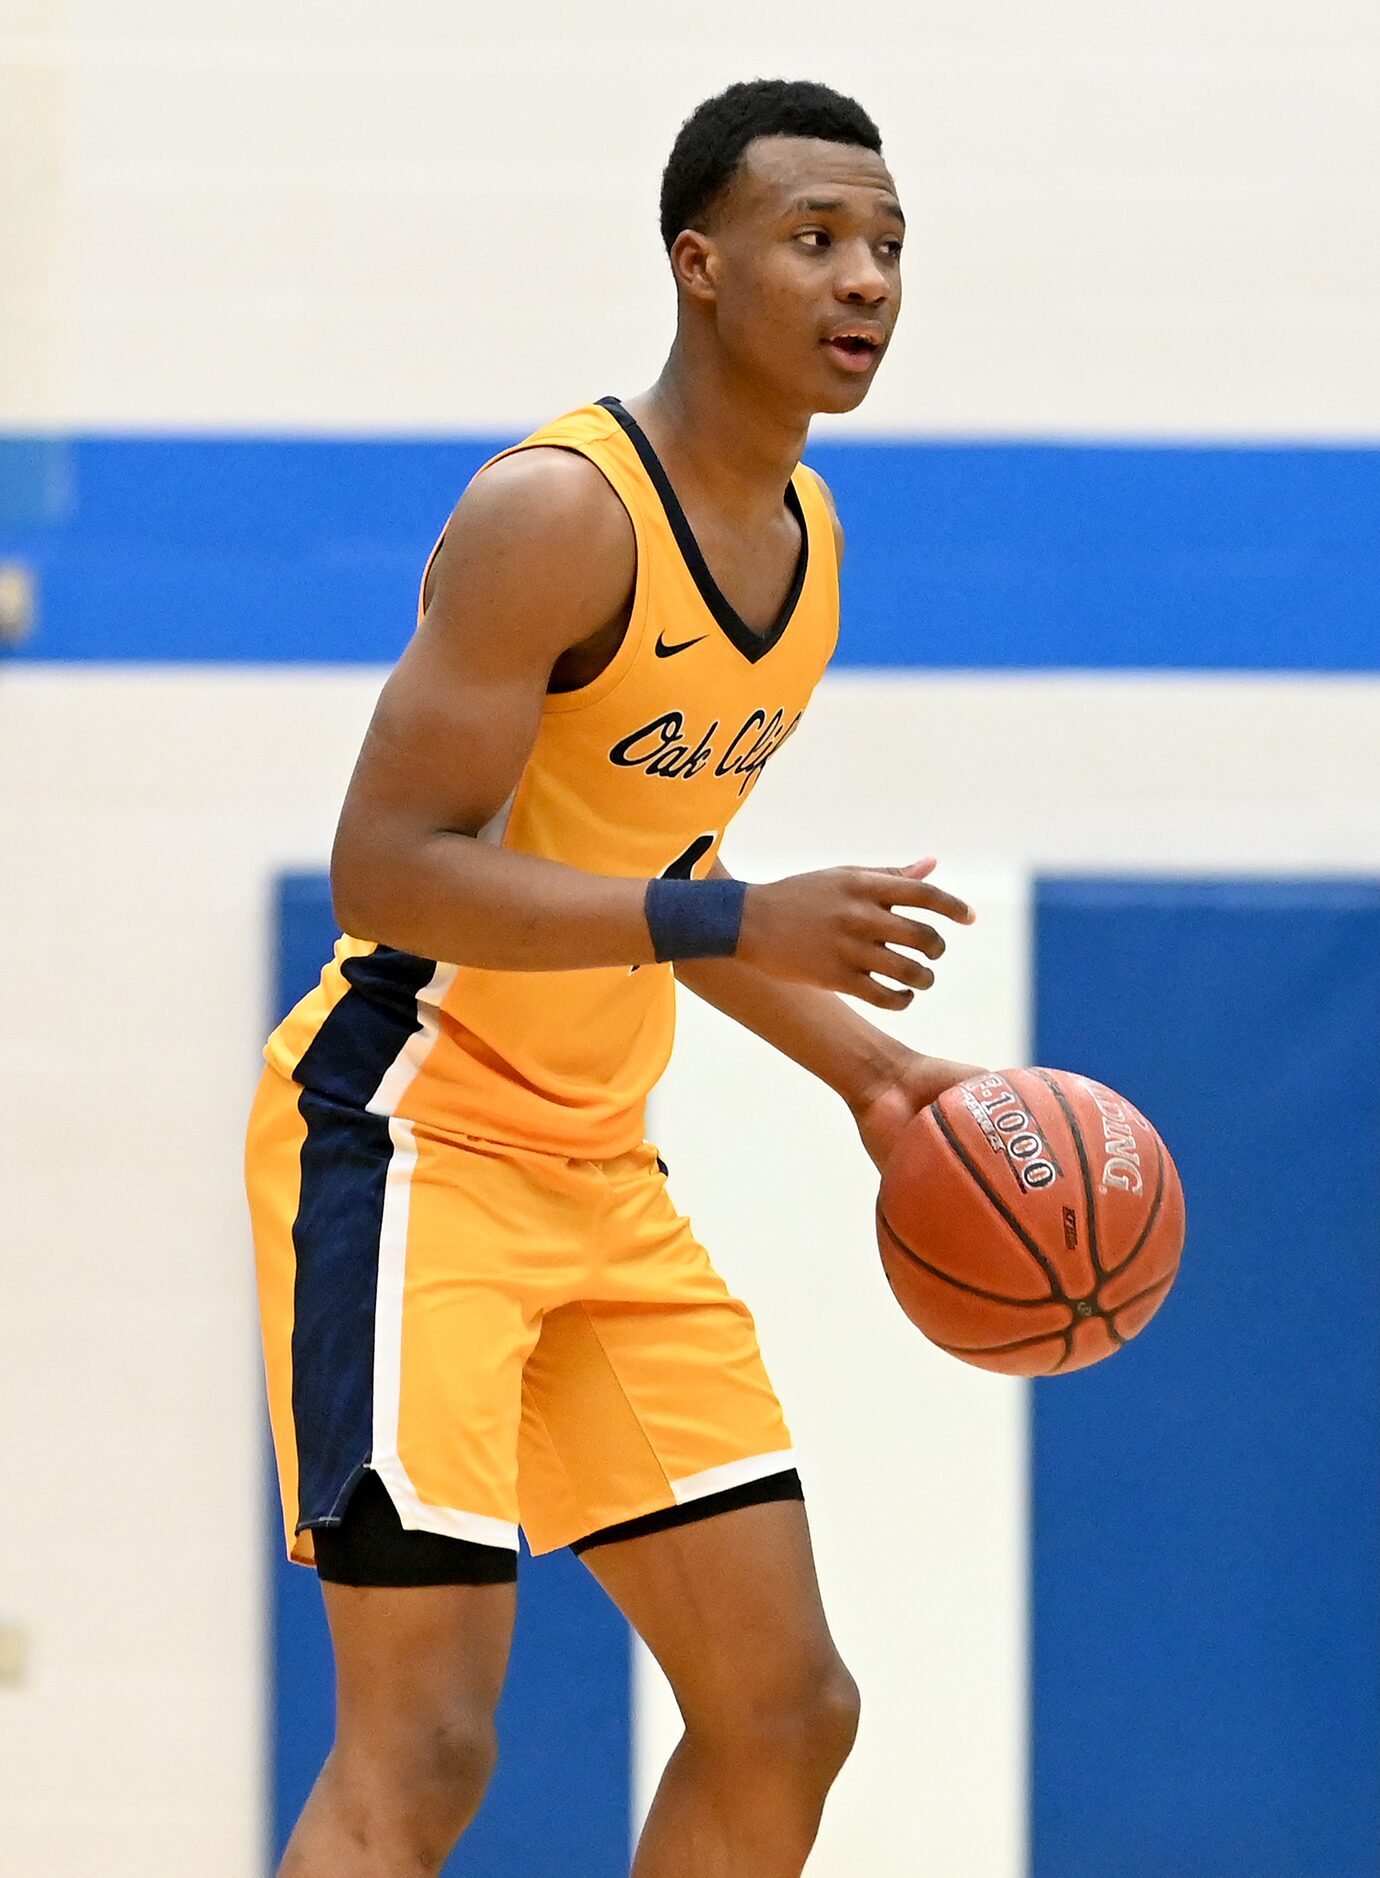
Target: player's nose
x,y
860,279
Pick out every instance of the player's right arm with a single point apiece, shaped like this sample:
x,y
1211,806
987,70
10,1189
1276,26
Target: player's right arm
x,y
538,558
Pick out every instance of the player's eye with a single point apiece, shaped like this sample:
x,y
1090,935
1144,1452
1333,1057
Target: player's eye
x,y
819,235
893,248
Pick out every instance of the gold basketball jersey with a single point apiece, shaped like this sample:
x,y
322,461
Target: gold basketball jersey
x,y
636,774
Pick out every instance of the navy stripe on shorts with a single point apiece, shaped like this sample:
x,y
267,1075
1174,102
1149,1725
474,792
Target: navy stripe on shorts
x,y
345,1161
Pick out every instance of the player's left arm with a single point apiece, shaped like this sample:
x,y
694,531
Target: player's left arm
x,y
883,1081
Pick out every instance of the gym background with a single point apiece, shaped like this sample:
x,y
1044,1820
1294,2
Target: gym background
x,y
273,282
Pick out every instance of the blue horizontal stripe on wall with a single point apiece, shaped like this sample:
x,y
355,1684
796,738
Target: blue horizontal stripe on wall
x,y
1205,1594
35,483
253,550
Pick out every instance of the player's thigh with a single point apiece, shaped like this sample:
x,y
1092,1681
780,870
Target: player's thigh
x,y
730,1607
417,1664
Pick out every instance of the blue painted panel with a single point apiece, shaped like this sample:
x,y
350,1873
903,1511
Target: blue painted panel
x,y
561,1800
1206,1506
262,549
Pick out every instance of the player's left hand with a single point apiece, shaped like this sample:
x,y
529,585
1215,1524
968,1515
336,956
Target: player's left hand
x,y
884,1112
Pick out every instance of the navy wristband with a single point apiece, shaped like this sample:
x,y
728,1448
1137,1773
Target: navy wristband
x,y
694,919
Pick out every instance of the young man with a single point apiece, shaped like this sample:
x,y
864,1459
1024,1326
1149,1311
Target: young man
x,y
480,1307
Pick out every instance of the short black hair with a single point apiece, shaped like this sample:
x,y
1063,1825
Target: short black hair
x,y
711,141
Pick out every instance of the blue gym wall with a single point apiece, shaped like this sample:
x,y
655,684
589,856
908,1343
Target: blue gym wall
x,y
1206,1512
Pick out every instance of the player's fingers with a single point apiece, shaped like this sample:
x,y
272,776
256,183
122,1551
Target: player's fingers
x,y
895,929
903,968
883,996
899,890
855,978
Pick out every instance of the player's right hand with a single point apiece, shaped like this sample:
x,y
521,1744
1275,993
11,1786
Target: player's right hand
x,y
840,929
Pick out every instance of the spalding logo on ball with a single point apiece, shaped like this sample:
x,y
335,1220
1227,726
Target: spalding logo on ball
x,y
1030,1221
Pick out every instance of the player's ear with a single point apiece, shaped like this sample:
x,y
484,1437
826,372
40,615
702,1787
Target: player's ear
x,y
695,264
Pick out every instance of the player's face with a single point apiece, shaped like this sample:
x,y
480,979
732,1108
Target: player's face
x,y
808,286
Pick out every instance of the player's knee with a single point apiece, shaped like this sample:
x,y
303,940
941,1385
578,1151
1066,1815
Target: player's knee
x,y
421,1793
812,1726
834,1716
461,1753
806,1723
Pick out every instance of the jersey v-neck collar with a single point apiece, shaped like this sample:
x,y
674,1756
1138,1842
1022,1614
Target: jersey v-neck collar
x,y
752,645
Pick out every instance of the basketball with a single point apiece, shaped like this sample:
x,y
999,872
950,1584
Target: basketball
x,y
1030,1221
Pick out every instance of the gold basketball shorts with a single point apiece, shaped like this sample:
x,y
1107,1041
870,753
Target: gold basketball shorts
x,y
505,1337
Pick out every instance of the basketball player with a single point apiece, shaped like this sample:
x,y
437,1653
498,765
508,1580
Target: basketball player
x,y
480,1307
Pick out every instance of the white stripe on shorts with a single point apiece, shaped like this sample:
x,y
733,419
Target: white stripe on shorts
x,y
413,1511
732,1474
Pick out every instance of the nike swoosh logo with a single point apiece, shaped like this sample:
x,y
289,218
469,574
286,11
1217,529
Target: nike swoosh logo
x,y
663,651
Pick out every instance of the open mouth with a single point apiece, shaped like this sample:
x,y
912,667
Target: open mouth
x,y
854,351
